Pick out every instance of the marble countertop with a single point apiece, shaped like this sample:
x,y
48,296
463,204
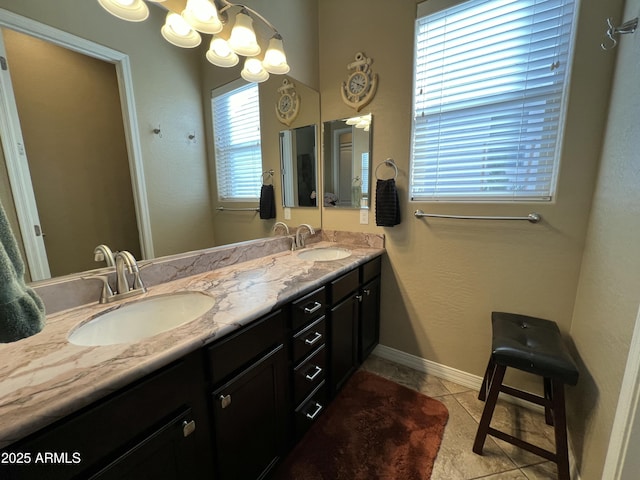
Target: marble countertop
x,y
44,377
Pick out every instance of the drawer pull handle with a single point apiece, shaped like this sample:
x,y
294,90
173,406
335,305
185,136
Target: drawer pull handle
x,y
367,292
312,377
358,298
317,337
313,415
188,427
225,400
314,309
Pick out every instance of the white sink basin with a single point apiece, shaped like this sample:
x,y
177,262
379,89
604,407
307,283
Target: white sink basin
x,y
145,318
324,254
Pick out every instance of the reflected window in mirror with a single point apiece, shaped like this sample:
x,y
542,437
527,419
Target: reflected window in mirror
x,y
347,151
298,163
236,132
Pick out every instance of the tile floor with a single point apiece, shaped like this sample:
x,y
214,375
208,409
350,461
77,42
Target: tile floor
x,y
456,460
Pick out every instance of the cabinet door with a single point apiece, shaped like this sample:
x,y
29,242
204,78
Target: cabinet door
x,y
369,318
166,454
344,341
249,419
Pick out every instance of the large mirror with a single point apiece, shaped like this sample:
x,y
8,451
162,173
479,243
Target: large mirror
x,y
169,181
347,162
299,167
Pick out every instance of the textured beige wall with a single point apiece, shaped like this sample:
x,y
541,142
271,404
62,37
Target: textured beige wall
x,y
608,295
442,278
167,93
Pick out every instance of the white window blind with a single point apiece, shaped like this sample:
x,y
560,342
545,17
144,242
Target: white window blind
x,y
490,82
236,133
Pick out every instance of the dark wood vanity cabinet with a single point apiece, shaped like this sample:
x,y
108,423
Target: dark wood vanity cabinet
x,y
369,315
354,321
154,428
229,410
308,360
248,399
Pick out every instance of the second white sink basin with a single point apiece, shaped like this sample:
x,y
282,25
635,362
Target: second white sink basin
x,y
145,318
324,254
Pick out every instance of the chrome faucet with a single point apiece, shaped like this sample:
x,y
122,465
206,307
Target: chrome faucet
x,y
283,225
300,236
103,253
123,260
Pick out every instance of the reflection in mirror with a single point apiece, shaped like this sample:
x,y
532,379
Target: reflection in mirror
x,y
166,136
298,162
347,151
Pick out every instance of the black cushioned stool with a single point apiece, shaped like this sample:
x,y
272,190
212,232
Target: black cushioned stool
x,y
535,346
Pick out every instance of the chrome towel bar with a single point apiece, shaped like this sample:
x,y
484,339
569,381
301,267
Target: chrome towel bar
x,y
532,217
248,209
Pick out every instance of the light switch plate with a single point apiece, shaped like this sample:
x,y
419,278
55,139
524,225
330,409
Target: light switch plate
x,y
287,213
364,216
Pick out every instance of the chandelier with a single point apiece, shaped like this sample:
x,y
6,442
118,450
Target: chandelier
x,y
232,29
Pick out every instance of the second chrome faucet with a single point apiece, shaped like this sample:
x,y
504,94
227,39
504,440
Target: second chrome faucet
x,y
125,264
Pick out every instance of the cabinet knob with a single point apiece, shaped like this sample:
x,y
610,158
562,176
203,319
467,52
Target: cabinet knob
x,y
225,400
188,427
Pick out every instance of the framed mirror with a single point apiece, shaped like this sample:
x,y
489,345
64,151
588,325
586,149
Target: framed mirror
x,y
298,166
347,162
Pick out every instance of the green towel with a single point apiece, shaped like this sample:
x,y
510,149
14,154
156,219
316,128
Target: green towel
x,y
21,310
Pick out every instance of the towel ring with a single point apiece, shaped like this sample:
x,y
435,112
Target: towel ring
x,y
391,164
270,176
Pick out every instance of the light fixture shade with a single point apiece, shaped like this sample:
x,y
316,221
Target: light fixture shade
x,y
275,60
253,71
203,16
177,31
243,38
130,10
220,53
353,120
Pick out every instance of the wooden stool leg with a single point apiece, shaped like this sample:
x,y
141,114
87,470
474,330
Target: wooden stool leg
x,y
486,380
548,395
560,421
490,405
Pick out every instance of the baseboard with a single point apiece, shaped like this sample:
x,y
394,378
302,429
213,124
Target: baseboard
x,y
461,378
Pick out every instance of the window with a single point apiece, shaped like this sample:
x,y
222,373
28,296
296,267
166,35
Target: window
x,y
236,133
489,90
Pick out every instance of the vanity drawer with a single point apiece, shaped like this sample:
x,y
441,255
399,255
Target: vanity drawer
x,y
308,308
309,339
310,410
309,374
234,351
343,286
371,269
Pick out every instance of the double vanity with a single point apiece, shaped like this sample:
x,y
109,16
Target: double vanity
x,y
216,371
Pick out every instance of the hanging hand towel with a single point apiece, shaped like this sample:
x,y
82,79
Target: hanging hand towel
x,y
267,202
387,205
21,310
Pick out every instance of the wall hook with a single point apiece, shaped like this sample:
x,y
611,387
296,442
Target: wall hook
x,y
191,136
613,32
157,131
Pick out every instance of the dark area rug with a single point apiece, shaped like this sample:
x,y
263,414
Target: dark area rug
x,y
374,429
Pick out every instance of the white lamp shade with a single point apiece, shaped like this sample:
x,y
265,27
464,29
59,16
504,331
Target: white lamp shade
x,y
253,71
130,10
220,53
352,120
177,31
243,38
275,60
203,16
